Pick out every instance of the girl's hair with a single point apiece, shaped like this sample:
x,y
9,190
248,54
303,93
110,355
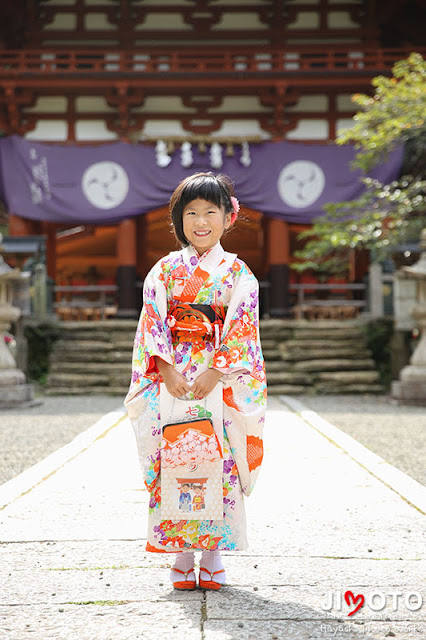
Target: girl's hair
x,y
217,189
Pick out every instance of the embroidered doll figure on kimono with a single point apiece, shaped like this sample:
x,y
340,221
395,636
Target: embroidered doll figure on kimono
x,y
199,328
185,498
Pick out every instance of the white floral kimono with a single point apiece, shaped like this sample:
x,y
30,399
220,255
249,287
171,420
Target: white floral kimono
x,y
200,312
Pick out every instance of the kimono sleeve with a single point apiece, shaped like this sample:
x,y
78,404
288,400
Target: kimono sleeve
x,y
240,348
240,358
153,337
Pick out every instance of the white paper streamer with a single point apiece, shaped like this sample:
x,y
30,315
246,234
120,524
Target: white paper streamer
x,y
186,155
245,157
216,160
161,155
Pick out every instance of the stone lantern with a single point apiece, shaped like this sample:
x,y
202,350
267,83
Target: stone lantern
x,y
411,387
13,388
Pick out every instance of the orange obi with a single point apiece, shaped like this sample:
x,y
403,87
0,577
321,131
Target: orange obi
x,y
196,322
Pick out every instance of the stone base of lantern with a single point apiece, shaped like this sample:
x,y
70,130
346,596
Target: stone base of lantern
x,y
411,387
14,392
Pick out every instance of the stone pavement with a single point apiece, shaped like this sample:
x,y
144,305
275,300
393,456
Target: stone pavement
x,y
73,564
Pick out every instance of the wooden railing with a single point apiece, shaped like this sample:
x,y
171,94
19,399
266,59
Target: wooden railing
x,y
85,302
31,62
333,306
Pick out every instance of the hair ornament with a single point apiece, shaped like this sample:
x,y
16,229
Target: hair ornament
x,y
235,209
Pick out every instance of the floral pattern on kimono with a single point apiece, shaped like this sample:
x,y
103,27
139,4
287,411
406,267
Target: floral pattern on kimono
x,y
222,280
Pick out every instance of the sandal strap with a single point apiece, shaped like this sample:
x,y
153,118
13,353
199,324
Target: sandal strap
x,y
212,573
185,573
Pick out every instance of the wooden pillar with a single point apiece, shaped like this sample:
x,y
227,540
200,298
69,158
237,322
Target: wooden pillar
x,y
49,230
126,270
142,258
22,226
279,259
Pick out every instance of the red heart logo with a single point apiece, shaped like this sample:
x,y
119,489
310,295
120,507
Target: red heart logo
x,y
348,596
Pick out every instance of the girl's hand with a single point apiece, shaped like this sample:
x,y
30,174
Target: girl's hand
x,y
175,382
205,383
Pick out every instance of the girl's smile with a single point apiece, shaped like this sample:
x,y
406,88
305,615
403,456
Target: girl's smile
x,y
204,224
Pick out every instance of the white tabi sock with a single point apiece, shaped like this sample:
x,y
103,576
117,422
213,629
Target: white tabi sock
x,y
185,562
212,561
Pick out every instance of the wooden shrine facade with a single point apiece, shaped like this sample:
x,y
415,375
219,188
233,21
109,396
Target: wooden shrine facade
x,y
89,71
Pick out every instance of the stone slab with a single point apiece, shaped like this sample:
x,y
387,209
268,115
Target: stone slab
x,y
290,389
80,390
290,377
312,629
109,620
302,603
349,377
297,353
333,364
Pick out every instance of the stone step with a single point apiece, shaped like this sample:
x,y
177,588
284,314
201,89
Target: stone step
x,y
90,356
77,379
83,336
120,391
271,354
91,367
269,345
288,377
124,345
89,345
330,334
315,354
271,323
348,343
288,389
275,365
348,377
330,388
88,380
335,365
283,334
100,325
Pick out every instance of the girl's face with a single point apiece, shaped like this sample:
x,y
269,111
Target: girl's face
x,y
204,224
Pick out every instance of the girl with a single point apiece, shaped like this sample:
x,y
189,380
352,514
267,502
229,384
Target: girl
x,y
199,328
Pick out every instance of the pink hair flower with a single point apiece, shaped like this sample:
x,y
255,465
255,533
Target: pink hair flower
x,y
235,209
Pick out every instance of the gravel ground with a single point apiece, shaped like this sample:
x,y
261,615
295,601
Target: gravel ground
x,y
29,435
396,433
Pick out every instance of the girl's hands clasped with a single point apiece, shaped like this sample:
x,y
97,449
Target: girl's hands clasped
x,y
205,383
177,385
175,382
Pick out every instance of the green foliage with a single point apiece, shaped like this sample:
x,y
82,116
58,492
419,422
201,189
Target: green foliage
x,y
386,214
379,333
41,339
396,113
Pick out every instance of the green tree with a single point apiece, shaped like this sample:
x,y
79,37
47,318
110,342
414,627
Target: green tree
x,y
386,215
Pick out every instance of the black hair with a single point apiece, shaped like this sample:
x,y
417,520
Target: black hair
x,y
217,189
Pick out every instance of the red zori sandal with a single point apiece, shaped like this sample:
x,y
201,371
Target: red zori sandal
x,y
210,584
184,584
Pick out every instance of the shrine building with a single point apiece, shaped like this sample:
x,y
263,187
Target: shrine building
x,y
106,104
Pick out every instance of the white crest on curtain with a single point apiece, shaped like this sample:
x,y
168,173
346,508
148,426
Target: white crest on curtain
x,y
186,155
216,160
161,155
245,157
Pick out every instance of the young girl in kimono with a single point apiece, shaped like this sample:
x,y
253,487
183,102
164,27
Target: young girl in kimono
x,y
199,328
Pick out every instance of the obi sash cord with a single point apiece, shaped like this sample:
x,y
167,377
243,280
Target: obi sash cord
x,y
196,323
202,331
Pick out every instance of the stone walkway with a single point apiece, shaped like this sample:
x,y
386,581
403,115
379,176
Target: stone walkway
x,y
73,563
